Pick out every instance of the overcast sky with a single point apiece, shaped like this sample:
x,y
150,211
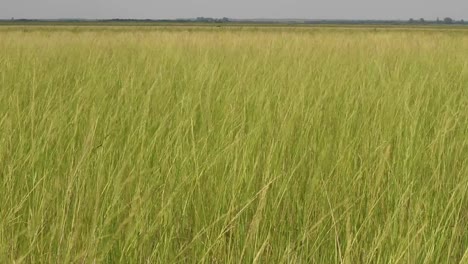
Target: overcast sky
x,y
158,9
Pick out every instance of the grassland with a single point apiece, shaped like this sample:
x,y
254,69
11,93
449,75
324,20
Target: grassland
x,y
208,145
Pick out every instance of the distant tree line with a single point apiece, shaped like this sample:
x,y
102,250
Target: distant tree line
x,y
446,20
212,20
420,21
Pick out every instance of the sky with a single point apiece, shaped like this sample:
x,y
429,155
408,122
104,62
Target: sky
x,y
169,9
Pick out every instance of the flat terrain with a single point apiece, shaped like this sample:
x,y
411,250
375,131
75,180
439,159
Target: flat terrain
x,y
233,145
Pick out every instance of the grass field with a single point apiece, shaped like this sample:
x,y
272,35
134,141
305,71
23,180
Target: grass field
x,y
218,145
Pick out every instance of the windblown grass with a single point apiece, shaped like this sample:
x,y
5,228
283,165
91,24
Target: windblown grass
x,y
233,146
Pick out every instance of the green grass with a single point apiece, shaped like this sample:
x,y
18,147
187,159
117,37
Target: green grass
x,y
193,145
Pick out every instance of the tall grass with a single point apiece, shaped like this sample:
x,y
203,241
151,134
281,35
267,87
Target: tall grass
x,y
233,146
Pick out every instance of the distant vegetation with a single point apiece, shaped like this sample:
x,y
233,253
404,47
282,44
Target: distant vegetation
x,y
447,21
209,20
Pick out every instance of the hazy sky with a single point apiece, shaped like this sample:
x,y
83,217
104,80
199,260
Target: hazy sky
x,y
313,9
